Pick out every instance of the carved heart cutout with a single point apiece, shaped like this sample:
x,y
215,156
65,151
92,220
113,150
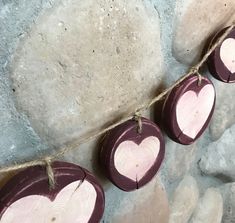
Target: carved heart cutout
x,y
227,54
133,160
68,206
76,197
193,109
221,62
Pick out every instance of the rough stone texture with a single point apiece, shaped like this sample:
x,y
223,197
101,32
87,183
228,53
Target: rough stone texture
x,y
228,192
219,159
209,208
193,29
184,200
78,55
66,66
66,89
18,140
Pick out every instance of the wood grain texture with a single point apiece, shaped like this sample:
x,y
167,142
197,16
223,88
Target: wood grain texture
x,y
188,109
132,159
77,196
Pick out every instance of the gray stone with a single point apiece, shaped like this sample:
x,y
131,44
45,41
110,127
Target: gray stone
x,y
178,160
184,200
219,159
209,208
149,204
195,21
78,62
224,116
228,192
84,61
18,141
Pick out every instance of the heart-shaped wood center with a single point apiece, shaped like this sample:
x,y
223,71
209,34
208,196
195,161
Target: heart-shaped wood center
x,y
133,160
68,206
193,109
227,54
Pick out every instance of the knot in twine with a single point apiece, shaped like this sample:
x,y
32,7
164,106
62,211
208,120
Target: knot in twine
x,y
137,118
195,70
96,133
50,173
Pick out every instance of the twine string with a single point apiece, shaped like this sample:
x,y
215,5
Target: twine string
x,y
95,134
196,72
199,79
50,173
137,118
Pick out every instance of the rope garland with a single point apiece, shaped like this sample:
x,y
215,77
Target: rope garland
x,y
46,161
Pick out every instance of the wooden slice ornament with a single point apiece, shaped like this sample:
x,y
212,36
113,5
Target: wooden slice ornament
x,y
131,157
77,196
188,109
221,62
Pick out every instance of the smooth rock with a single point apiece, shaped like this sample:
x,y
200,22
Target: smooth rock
x,y
178,163
228,192
149,204
195,22
85,63
224,115
219,159
184,200
209,208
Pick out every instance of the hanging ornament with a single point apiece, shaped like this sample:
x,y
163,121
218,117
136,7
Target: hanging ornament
x,y
188,109
76,197
221,62
132,153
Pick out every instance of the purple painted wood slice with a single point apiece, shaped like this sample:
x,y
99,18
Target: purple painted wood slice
x,y
188,109
221,62
132,159
77,196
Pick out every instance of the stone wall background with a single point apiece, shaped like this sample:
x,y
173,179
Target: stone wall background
x,y
70,66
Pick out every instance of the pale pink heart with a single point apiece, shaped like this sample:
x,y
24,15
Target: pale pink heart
x,y
227,54
74,203
193,110
133,161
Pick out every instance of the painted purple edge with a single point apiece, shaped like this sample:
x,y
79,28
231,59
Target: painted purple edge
x,y
215,64
169,110
36,180
111,143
